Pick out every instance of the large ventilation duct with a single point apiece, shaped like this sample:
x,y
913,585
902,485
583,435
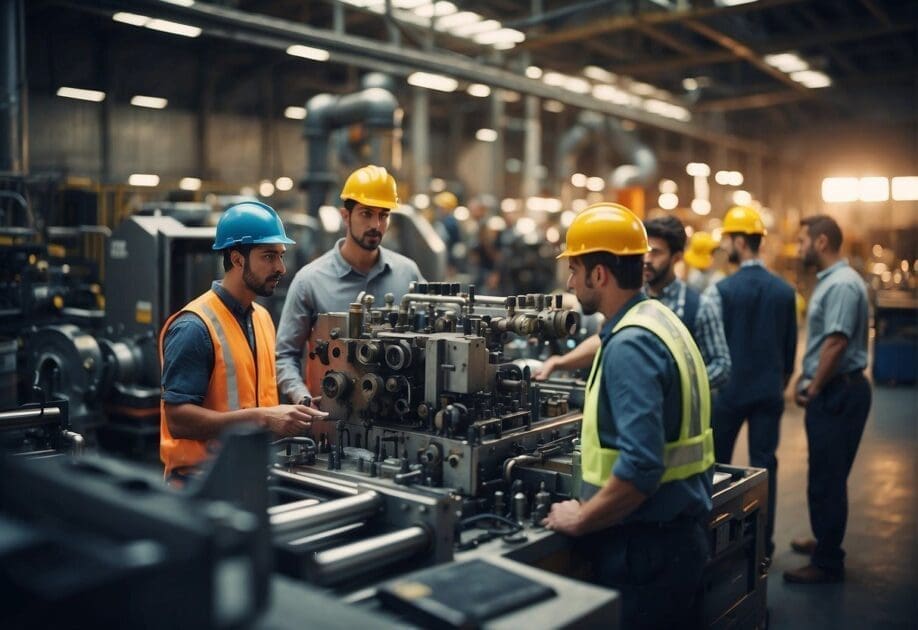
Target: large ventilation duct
x,y
374,105
637,162
13,151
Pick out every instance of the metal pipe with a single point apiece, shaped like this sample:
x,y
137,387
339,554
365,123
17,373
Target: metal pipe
x,y
317,482
13,147
335,565
26,418
511,463
408,298
294,505
330,514
76,441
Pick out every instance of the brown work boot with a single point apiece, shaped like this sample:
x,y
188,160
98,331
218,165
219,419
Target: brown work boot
x,y
811,574
805,546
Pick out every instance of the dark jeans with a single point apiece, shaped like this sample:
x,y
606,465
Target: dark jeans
x,y
764,431
835,420
656,569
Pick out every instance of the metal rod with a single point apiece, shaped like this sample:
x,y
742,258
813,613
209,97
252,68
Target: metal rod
x,y
295,505
316,482
27,418
341,563
330,514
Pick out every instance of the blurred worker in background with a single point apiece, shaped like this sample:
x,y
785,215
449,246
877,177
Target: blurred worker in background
x,y
666,236
218,352
699,257
447,226
646,457
834,391
356,263
759,318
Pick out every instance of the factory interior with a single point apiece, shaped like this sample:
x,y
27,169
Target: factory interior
x,y
417,445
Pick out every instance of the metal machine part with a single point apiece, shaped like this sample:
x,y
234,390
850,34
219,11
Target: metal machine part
x,y
41,430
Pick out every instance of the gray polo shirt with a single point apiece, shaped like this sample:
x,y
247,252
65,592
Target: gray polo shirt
x,y
838,305
328,285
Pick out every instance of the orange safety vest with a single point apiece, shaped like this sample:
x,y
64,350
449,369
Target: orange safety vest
x,y
239,380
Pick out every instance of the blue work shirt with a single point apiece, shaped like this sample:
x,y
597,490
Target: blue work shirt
x,y
640,409
188,352
328,285
838,305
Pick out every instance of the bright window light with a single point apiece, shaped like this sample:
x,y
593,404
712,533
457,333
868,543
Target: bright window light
x,y
479,90
534,72
151,102
174,28
486,135
840,189
190,183
81,94
668,201
786,62
295,113
433,81
811,78
701,206
874,189
308,52
905,188
284,184
143,179
698,169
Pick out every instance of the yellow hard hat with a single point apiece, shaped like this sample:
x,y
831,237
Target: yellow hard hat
x,y
446,200
606,227
699,253
743,220
371,186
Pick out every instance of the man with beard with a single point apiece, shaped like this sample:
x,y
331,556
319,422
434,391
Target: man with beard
x,y
331,282
758,310
218,351
646,446
666,237
834,392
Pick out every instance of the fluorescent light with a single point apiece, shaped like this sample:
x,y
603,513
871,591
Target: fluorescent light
x,y
152,102
701,206
811,78
579,205
461,213
143,179
308,52
457,19
436,9
689,84
612,94
874,189
736,178
598,74
265,188
698,169
595,184
295,113
421,201
555,79
478,27
190,183
534,72
174,28
486,135
786,62
741,197
130,18
668,201
722,177
840,189
284,183
577,85
408,4
478,89
729,178
81,94
500,36
644,89
579,180
668,186
553,106
181,3
433,81
732,3
905,188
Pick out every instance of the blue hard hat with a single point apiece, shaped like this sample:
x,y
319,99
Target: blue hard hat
x,y
250,223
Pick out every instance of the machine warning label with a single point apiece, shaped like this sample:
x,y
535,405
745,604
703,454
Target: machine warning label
x,y
143,312
118,249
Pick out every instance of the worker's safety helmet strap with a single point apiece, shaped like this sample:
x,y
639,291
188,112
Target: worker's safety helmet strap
x,y
371,186
250,223
743,220
606,227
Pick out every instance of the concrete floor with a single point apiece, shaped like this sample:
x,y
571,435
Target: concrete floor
x,y
881,589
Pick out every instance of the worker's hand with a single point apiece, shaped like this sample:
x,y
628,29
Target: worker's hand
x,y
564,517
290,420
801,392
549,366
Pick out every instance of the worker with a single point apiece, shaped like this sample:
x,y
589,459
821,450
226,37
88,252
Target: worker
x,y
357,263
647,450
834,392
699,257
217,353
759,318
666,237
449,229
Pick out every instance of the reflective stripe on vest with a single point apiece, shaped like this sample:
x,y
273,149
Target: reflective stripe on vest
x,y
232,389
693,451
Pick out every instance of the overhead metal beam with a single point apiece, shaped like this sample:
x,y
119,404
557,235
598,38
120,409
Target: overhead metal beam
x,y
627,22
261,30
721,56
877,12
743,51
666,39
